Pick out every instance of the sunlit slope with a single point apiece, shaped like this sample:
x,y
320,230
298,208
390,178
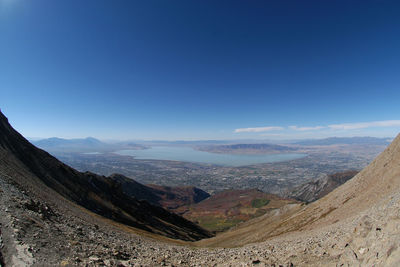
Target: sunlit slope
x,y
369,189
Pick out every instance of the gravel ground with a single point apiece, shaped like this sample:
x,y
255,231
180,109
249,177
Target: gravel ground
x,y
35,232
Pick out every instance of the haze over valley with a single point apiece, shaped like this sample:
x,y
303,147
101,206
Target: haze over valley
x,y
295,165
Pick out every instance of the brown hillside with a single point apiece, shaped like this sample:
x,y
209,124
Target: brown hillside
x,y
228,208
367,200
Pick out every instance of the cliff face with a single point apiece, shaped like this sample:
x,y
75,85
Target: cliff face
x,y
35,169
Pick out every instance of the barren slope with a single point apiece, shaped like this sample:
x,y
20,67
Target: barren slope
x,y
371,189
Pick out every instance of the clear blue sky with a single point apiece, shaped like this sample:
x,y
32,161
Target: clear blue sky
x,y
200,69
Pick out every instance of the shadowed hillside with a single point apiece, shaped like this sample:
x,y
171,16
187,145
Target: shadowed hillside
x,y
34,168
164,196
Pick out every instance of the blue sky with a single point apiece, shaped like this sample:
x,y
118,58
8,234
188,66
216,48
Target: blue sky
x,y
200,69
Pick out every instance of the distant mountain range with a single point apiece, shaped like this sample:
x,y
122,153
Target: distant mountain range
x,y
89,144
247,148
60,142
346,141
86,145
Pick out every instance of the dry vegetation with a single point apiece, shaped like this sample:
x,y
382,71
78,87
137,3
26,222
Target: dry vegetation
x,y
228,208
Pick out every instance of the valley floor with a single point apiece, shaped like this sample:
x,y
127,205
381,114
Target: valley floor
x,y
274,178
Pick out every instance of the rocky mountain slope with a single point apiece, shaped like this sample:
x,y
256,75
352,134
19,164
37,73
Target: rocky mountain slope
x,y
314,190
357,224
33,168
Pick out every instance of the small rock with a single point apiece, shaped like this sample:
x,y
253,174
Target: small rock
x,y
362,250
94,258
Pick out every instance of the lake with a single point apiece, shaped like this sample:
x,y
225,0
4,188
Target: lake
x,y
189,154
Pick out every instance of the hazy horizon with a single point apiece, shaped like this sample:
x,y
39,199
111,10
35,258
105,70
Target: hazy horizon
x,y
202,140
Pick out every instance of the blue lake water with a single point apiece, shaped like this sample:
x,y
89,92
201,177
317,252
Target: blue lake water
x,y
190,155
